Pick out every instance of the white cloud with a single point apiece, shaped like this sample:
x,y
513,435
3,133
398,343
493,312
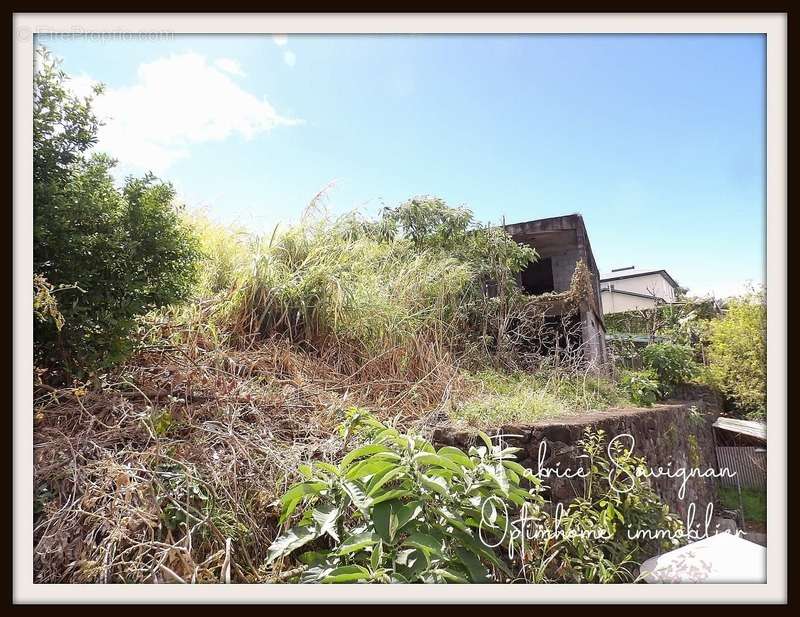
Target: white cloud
x,y
289,58
280,39
177,101
230,66
82,85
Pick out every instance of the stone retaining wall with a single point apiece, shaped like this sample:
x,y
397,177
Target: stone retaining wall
x,y
666,435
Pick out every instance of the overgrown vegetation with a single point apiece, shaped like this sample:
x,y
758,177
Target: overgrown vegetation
x,y
503,397
395,509
672,364
738,354
721,343
187,372
643,387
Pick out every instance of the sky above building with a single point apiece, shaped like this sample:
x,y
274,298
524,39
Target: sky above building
x,y
657,140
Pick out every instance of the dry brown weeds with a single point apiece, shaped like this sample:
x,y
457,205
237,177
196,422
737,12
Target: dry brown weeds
x,y
168,470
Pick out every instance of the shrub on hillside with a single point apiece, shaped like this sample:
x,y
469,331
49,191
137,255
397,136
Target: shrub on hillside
x,y
396,510
673,364
109,254
738,354
642,387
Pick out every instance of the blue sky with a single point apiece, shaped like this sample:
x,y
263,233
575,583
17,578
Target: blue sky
x,y
657,140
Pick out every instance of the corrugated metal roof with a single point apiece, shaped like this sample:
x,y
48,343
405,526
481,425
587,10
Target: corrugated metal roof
x,y
743,427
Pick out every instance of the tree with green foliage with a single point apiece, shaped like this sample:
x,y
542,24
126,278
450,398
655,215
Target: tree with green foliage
x,y
108,254
738,354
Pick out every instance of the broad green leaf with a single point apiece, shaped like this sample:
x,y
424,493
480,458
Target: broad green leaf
x,y
497,473
437,485
508,453
291,499
377,556
368,467
477,571
487,440
383,478
425,542
423,445
489,511
393,494
291,540
390,516
450,575
347,574
457,456
301,489
313,558
315,574
520,470
326,516
426,458
380,520
410,563
470,543
331,469
357,496
367,450
357,542
454,519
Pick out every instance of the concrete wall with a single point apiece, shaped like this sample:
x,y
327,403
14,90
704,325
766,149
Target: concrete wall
x,y
563,266
594,338
667,435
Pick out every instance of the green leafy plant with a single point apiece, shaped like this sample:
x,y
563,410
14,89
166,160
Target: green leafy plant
x,y
397,510
738,354
642,387
616,499
111,254
673,364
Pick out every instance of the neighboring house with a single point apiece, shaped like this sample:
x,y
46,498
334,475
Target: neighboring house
x,y
562,241
630,289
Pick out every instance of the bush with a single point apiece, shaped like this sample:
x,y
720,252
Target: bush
x,y
642,387
395,510
619,502
111,254
738,354
673,364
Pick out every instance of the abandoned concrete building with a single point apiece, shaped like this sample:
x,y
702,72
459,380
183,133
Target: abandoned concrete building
x,y
561,242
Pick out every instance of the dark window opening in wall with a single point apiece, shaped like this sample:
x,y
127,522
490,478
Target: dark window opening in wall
x,y
537,278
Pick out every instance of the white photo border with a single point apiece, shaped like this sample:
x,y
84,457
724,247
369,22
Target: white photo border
x,y
109,25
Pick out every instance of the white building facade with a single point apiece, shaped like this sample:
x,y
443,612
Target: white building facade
x,y
629,289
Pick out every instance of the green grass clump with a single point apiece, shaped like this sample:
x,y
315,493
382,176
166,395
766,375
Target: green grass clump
x,y
754,503
518,397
